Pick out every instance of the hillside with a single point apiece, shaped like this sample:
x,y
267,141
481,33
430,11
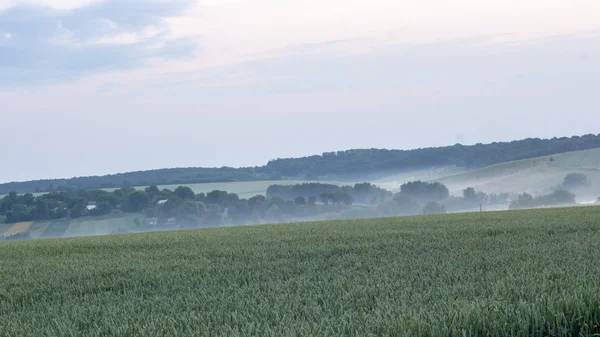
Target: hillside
x,y
351,165
518,273
536,176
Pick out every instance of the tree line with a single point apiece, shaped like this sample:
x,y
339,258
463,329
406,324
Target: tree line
x,y
281,203
363,193
342,164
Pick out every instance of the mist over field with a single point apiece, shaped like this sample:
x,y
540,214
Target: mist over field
x,y
564,179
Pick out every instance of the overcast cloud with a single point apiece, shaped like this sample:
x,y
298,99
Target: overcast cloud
x,y
96,87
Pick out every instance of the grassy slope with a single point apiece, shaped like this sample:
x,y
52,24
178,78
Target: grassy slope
x,y
537,175
527,272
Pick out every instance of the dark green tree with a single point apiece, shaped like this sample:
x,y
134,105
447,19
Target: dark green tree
x,y
469,194
185,193
42,211
434,208
77,210
575,181
135,201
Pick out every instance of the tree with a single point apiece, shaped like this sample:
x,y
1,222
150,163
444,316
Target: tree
x,y
167,209
469,194
153,192
191,208
256,200
28,199
300,201
277,201
405,205
558,197
135,202
20,213
312,200
42,211
184,193
102,208
6,204
425,191
213,217
110,198
524,200
273,214
575,180
434,208
326,198
216,198
345,198
77,211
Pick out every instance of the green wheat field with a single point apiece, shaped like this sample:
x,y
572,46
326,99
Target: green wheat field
x,y
523,273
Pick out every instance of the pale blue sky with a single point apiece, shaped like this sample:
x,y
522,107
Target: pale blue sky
x,y
96,87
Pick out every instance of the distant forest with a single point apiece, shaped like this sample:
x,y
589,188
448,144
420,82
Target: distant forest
x,y
340,165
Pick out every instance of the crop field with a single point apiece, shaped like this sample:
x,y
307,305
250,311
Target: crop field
x,y
104,225
17,228
522,273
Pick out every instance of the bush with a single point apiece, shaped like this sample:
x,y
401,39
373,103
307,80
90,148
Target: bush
x,y
434,208
425,191
575,180
556,198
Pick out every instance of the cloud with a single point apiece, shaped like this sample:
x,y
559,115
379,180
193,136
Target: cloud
x,y
45,44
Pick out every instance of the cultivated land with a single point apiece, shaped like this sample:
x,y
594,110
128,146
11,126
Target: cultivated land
x,y
17,228
536,176
86,226
523,273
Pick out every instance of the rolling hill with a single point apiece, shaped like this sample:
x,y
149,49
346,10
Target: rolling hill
x,y
536,176
350,165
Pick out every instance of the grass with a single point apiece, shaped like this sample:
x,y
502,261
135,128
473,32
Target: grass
x,y
524,273
537,176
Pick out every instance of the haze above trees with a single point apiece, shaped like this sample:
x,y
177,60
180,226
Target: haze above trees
x,y
350,164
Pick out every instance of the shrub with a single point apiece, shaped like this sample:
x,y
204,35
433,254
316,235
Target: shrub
x,y
575,180
434,208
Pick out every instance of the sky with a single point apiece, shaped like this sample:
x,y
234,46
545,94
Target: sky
x,y
93,87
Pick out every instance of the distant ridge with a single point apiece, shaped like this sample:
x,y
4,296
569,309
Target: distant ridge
x,y
341,165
